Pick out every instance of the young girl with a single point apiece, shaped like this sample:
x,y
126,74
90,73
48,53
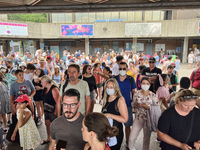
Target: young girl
x,y
29,135
57,75
162,90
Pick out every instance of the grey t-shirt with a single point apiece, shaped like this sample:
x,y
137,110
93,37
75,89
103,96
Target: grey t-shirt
x,y
83,88
29,59
17,89
61,129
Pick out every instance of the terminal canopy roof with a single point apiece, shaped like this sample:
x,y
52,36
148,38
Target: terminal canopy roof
x,y
48,6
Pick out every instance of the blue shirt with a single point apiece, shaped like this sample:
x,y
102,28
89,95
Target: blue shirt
x,y
157,62
125,88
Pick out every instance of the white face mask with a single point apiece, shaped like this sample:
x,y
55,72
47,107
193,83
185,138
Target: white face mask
x,y
110,91
122,72
145,87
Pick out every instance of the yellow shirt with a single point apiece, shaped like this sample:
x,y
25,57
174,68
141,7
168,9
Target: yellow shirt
x,y
130,73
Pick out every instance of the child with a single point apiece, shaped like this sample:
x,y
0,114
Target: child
x,y
177,63
173,79
29,135
138,79
162,90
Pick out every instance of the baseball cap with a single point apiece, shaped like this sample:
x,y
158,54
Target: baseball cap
x,y
152,59
23,64
22,98
141,58
173,64
77,55
49,57
86,62
71,60
28,53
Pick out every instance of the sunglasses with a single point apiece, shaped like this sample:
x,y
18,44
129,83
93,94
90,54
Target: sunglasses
x,y
151,62
89,68
122,68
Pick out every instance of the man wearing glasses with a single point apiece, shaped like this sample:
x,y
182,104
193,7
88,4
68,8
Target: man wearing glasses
x,y
152,71
68,126
127,87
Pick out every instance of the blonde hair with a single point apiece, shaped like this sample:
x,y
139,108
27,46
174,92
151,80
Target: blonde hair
x,y
116,88
57,68
185,95
47,79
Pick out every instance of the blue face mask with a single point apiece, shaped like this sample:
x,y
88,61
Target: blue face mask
x,y
110,91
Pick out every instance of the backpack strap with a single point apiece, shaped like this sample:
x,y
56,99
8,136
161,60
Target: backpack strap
x,y
195,71
131,81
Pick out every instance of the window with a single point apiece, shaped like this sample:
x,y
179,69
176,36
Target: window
x,y
78,17
147,15
107,15
123,16
138,16
99,16
130,16
91,17
115,15
54,18
68,17
162,14
84,17
156,15
61,18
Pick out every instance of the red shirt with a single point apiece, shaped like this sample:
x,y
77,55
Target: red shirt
x,y
196,82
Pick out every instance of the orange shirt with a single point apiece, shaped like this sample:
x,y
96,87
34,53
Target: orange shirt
x,y
97,76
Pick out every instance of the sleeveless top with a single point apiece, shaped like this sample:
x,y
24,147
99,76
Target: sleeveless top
x,y
104,149
45,70
57,78
48,97
111,107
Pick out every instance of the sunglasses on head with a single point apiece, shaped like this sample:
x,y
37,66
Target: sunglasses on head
x,y
122,68
151,62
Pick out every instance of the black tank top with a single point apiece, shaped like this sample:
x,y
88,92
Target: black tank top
x,y
48,97
112,108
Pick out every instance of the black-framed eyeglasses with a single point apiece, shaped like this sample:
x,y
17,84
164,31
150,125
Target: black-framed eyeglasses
x,y
151,62
122,68
72,106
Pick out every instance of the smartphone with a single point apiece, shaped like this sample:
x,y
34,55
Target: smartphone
x,y
61,144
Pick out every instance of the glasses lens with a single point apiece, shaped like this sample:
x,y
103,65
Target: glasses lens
x,y
151,62
120,68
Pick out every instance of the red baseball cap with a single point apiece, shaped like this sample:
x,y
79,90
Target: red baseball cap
x,y
49,57
22,98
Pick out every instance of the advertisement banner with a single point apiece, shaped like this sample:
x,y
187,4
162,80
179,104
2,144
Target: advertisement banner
x,y
77,30
13,29
143,28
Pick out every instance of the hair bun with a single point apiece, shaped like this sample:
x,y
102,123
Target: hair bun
x,y
112,131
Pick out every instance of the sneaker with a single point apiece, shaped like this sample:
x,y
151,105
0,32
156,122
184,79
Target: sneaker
x,y
39,122
5,130
8,123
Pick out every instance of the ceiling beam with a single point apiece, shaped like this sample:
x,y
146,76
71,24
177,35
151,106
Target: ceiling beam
x,y
101,8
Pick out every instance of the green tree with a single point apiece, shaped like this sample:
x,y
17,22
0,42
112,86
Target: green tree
x,y
28,17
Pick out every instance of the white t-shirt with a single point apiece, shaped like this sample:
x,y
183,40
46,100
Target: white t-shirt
x,y
28,76
115,69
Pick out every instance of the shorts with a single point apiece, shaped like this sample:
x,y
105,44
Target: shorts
x,y
99,85
49,116
130,117
92,95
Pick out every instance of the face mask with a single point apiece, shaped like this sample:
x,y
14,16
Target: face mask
x,y
145,87
122,72
110,91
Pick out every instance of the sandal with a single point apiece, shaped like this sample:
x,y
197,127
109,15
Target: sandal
x,y
44,142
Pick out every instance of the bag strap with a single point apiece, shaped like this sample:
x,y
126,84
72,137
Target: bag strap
x,y
191,127
195,71
65,85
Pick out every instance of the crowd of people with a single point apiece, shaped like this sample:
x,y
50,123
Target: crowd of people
x,y
62,92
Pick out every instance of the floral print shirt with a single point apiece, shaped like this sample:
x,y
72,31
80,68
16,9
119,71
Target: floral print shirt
x,y
149,100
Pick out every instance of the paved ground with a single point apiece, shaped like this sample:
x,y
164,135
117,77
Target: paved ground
x,y
184,72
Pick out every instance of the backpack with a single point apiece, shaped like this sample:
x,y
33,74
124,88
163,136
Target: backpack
x,y
130,79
